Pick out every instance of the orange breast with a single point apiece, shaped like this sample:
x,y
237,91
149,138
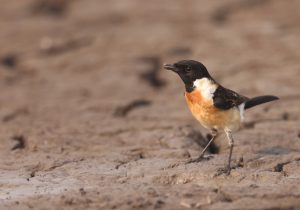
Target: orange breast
x,y
210,116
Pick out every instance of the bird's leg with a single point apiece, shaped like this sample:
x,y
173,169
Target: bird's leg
x,y
227,169
214,134
231,144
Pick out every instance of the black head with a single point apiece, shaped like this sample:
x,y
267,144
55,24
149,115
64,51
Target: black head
x,y
189,71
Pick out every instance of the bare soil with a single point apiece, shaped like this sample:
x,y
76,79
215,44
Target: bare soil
x,y
90,120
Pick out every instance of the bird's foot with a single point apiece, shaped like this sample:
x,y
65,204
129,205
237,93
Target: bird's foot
x,y
225,171
198,159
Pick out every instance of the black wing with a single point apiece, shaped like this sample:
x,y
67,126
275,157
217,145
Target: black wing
x,y
225,99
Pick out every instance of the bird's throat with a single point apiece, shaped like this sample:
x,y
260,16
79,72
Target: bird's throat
x,y
189,87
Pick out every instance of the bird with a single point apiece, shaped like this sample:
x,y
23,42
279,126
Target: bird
x,y
216,108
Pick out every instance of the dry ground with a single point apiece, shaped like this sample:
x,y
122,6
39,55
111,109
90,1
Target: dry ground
x,y
68,68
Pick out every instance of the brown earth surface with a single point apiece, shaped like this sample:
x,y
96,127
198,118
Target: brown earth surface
x,y
69,68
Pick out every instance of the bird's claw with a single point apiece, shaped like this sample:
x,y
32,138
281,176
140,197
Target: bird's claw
x,y
221,171
200,158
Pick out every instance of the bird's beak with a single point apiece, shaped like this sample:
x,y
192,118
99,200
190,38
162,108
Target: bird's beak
x,y
170,67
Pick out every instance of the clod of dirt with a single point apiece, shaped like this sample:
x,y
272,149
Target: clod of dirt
x,y
240,163
141,203
50,7
279,166
266,109
13,115
159,204
187,203
222,196
9,61
180,51
277,151
82,191
285,116
222,14
151,75
50,46
21,142
249,125
32,174
123,111
61,163
174,179
186,154
33,170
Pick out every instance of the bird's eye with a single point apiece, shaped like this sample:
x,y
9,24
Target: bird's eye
x,y
188,68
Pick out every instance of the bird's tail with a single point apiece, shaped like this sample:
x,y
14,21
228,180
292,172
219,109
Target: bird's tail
x,y
259,100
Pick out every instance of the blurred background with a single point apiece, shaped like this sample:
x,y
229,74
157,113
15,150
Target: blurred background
x,y
83,81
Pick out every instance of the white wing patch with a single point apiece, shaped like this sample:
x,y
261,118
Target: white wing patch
x,y
242,110
206,87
